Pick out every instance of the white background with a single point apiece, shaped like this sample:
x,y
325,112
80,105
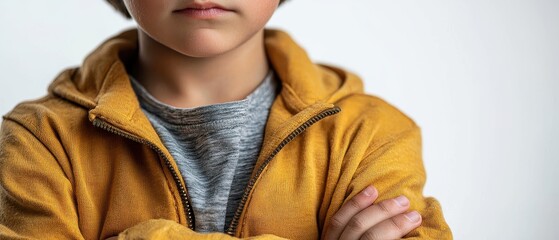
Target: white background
x,y
480,77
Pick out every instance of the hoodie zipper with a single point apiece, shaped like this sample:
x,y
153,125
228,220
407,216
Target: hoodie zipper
x,y
183,194
235,221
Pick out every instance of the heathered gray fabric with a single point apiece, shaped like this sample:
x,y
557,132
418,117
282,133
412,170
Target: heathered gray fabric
x,y
215,147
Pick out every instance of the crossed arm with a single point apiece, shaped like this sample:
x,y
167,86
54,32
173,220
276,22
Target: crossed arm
x,y
41,206
359,219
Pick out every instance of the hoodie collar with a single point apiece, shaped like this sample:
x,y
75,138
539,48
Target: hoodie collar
x,y
102,85
306,83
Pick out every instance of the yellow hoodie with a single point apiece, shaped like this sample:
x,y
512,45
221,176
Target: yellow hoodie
x,y
84,162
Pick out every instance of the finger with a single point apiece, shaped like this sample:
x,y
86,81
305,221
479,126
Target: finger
x,y
373,215
395,227
359,202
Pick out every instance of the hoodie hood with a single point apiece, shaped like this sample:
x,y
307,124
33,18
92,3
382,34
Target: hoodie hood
x,y
102,77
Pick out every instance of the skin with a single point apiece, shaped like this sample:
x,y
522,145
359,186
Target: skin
x,y
187,62
360,219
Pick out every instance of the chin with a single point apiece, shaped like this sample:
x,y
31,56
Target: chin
x,y
204,45
201,51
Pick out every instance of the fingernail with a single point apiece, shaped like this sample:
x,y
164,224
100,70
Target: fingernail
x,y
413,216
369,191
402,201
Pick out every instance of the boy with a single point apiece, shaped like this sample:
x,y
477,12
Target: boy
x,y
201,124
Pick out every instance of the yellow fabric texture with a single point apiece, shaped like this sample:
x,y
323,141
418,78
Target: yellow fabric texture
x,y
61,177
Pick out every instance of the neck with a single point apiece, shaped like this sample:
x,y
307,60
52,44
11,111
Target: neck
x,y
186,82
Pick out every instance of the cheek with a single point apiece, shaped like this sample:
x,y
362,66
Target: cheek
x,y
147,12
262,10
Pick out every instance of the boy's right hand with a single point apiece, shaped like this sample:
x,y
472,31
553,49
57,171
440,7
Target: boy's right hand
x,y
358,219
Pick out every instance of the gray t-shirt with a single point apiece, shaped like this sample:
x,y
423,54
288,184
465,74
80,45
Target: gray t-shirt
x,y
215,147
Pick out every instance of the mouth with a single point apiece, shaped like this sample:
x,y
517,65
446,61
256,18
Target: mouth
x,y
206,10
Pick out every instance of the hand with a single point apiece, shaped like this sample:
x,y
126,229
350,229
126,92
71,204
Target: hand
x,y
358,219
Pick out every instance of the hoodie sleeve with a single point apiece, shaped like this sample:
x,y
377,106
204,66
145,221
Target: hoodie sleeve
x,y
36,197
162,229
395,168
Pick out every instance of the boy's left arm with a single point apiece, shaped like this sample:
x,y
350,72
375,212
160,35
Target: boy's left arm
x,y
395,168
166,229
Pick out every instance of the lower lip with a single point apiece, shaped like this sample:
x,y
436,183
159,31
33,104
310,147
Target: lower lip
x,y
208,13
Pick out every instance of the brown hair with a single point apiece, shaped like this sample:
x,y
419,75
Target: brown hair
x,y
119,6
